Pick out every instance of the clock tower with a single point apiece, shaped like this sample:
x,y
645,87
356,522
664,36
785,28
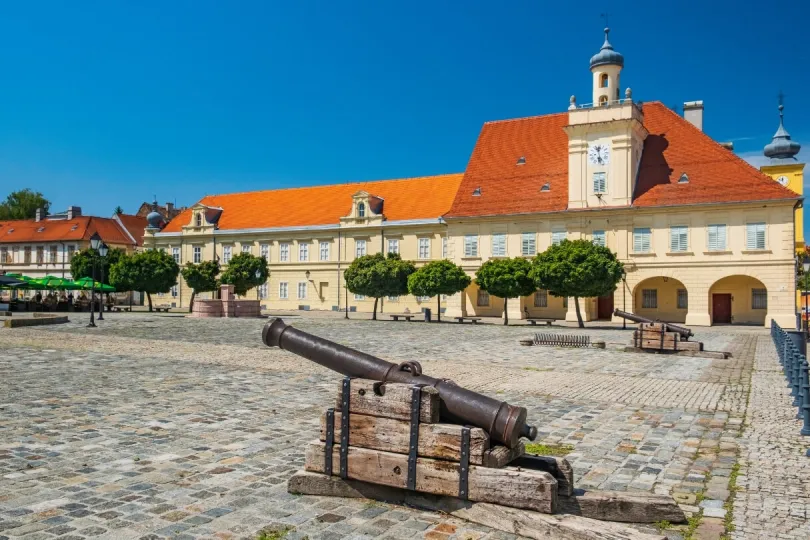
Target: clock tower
x,y
605,138
786,169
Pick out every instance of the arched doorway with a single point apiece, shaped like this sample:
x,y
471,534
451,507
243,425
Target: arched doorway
x,y
662,298
738,300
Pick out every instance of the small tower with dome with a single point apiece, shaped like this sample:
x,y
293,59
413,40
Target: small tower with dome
x,y
606,65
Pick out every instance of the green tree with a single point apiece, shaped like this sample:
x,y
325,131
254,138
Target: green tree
x,y
150,271
118,210
200,277
379,275
241,272
81,265
577,268
506,278
437,278
23,204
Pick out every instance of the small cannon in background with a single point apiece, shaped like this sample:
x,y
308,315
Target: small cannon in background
x,y
505,423
685,333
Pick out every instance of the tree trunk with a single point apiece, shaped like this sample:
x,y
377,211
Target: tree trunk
x,y
438,308
505,314
374,314
149,298
191,302
579,315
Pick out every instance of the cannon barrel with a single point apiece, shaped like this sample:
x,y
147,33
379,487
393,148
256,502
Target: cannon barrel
x,y
505,423
682,330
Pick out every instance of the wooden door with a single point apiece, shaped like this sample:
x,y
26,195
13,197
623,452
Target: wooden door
x,y
605,307
721,308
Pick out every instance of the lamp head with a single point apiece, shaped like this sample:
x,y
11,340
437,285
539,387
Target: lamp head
x,y
103,249
258,273
806,266
95,241
307,273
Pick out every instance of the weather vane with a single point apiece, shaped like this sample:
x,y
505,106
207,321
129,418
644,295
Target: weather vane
x,y
605,16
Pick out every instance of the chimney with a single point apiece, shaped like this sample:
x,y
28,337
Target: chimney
x,y
693,113
73,211
169,209
39,214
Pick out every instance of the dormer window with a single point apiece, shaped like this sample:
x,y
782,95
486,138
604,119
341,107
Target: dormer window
x,y
521,160
41,229
198,220
477,192
684,179
361,210
546,187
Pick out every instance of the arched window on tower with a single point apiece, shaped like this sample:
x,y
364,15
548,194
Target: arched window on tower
x,y
603,80
198,222
603,101
361,210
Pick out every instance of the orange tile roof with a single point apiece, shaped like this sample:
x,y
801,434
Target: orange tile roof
x,y
135,225
674,146
80,228
411,198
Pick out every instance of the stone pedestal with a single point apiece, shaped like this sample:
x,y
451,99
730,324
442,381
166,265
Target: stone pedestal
x,y
228,301
206,308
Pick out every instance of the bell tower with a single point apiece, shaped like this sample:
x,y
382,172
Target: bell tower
x,y
606,66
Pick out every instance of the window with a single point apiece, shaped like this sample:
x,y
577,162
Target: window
x,y
528,244
263,291
599,182
4,258
393,298
393,246
499,245
176,254
284,252
683,299
557,237
283,292
303,252
599,238
264,251
324,251
641,240
424,248
70,251
27,254
52,254
603,80
541,299
198,220
197,257
359,248
246,248
444,247
361,210
603,101
679,238
226,254
422,298
470,245
302,290
483,298
755,236
40,254
759,299
174,291
359,297
717,237
649,298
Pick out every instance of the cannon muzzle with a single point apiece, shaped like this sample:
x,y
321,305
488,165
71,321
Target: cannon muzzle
x,y
505,423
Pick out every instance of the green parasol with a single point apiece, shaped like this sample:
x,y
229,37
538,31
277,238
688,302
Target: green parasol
x,y
88,283
52,282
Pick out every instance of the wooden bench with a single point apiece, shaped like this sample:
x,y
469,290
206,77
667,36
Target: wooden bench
x,y
165,309
534,322
398,316
120,308
473,320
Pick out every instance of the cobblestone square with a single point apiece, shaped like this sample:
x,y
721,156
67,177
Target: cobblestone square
x,y
157,426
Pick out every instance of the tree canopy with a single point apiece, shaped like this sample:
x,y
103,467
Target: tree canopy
x,y
577,268
437,278
506,278
81,265
241,272
379,275
150,271
23,204
200,277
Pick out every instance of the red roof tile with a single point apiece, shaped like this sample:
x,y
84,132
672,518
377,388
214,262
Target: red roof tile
x,y
62,230
135,225
674,146
412,198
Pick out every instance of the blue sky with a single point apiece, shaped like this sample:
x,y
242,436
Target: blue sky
x,y
107,103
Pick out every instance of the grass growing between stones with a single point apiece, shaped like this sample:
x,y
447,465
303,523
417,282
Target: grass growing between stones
x,y
692,525
729,504
276,534
539,449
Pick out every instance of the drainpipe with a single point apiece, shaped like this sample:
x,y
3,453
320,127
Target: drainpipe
x,y
338,270
63,260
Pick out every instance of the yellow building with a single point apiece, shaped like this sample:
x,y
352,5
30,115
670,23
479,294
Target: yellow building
x,y
705,237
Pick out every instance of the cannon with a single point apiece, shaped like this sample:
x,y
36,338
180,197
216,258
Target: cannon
x,y
505,423
686,333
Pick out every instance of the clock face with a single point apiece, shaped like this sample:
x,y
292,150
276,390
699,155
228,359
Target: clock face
x,y
599,154
783,180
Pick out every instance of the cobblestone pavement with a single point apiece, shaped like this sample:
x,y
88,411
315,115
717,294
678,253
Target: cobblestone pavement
x,y
156,426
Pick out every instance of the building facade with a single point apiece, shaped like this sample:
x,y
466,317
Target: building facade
x,y
705,238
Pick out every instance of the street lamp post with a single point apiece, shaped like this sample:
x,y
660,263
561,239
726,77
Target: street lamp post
x,y
95,242
102,250
624,297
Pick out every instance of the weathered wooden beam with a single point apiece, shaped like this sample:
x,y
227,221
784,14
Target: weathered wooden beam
x,y
535,490
523,523
392,401
623,506
441,441
557,467
501,456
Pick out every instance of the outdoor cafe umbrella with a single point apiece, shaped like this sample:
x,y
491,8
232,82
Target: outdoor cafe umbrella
x,y
10,282
88,283
53,282
27,282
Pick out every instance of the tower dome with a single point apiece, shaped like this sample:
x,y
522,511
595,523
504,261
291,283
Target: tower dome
x,y
781,148
606,55
154,219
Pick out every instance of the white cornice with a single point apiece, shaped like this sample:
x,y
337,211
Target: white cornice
x,y
328,227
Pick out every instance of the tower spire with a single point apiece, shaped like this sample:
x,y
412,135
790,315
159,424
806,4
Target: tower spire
x,y
782,149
